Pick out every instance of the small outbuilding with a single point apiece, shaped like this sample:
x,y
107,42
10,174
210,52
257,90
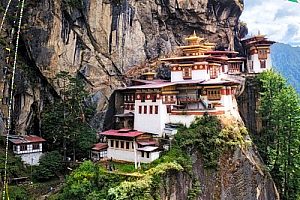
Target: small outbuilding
x,y
28,147
99,151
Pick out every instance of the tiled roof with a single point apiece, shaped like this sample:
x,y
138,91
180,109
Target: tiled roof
x,y
100,146
219,82
122,133
152,85
145,143
16,139
147,148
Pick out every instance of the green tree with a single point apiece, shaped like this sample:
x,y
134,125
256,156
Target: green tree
x,y
64,122
89,181
211,138
50,165
279,140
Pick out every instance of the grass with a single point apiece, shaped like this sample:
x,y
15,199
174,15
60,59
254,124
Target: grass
x,y
125,167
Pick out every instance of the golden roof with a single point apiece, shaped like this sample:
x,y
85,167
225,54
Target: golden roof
x,y
149,73
197,42
194,37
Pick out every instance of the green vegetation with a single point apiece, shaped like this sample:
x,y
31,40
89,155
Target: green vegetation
x,y
18,192
14,165
64,123
279,140
145,188
49,166
88,182
124,167
208,136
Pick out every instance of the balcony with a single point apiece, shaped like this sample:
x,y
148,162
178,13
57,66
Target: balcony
x,y
189,100
199,112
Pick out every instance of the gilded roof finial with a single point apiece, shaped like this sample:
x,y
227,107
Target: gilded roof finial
x,y
195,35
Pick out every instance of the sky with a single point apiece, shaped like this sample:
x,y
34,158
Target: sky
x,y
278,19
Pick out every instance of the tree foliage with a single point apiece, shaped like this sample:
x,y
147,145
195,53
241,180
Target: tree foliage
x,y
279,140
89,181
211,138
50,164
66,120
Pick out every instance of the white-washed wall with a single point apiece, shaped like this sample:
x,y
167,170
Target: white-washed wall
x,y
152,156
31,158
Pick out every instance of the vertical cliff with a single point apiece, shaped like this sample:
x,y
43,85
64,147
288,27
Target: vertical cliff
x,y
248,103
240,176
99,40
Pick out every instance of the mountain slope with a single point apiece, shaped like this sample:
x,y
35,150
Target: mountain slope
x,y
286,60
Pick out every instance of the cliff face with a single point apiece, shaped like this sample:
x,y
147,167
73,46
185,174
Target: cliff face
x,y
248,105
240,176
102,39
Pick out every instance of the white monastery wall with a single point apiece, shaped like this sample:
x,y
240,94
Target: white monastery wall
x,y
31,158
176,76
121,153
152,123
182,119
152,156
200,75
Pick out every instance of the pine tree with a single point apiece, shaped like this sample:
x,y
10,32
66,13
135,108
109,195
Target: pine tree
x,y
279,140
64,122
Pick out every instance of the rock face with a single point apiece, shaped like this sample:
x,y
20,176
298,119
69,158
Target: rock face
x,y
248,105
102,39
241,176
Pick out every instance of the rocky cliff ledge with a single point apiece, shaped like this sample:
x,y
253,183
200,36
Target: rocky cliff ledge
x,y
241,175
102,39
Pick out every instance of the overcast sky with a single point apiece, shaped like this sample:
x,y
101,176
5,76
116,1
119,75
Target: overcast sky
x,y
278,19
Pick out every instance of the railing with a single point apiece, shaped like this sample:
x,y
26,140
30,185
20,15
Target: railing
x,y
188,109
190,99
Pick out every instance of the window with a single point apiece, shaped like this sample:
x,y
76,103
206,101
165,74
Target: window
x,y
132,145
35,146
151,110
15,148
148,154
23,147
213,94
127,145
103,154
154,98
187,73
117,144
262,64
145,109
111,143
262,54
169,109
122,144
143,98
156,109
213,72
140,109
143,154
